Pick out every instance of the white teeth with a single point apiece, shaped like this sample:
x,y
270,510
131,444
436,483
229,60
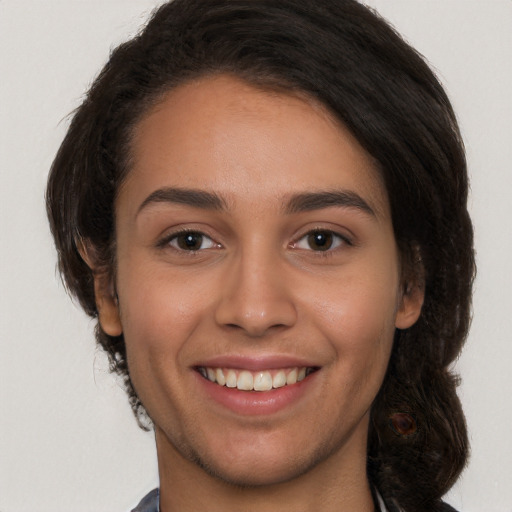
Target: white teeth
x,y
255,381
279,380
291,378
262,381
245,381
231,379
219,375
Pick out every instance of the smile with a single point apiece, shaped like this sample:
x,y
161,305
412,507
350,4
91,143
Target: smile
x,y
263,380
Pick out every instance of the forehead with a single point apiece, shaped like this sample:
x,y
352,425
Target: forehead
x,y
224,135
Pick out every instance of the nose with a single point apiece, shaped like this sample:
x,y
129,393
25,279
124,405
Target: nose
x,y
256,297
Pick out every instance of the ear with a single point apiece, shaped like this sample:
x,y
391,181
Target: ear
x,y
409,308
413,289
107,303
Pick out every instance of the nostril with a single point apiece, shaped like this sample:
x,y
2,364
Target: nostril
x,y
255,295
257,329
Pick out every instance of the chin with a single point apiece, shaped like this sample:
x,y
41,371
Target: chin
x,y
268,467
257,475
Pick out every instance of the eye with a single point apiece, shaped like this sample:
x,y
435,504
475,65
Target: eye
x,y
191,241
321,240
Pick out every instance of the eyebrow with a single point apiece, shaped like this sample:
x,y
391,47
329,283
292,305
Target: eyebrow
x,y
190,197
304,202
310,201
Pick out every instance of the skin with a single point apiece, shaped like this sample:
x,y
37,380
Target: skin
x,y
257,287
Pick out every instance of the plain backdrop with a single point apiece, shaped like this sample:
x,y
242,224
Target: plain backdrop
x,y
68,441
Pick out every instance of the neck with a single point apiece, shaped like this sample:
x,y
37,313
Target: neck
x,y
337,484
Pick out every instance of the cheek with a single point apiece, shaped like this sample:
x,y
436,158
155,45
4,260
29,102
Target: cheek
x,y
157,302
359,307
356,314
159,313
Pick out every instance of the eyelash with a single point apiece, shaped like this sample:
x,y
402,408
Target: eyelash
x,y
167,241
337,239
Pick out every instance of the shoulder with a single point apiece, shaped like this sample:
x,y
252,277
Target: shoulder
x,y
440,506
444,507
149,503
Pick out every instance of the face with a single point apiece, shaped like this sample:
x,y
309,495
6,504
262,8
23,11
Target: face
x,y
258,282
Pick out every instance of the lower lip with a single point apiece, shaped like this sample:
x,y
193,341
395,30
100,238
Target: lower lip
x,y
254,403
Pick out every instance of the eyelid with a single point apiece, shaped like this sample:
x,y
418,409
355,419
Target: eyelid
x,y
341,240
165,241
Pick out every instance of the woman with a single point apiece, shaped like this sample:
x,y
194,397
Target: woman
x,y
264,205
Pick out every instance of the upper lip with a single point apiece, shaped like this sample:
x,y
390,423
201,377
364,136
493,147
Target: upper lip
x,y
256,363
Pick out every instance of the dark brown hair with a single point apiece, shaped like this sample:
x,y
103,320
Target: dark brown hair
x,y
344,55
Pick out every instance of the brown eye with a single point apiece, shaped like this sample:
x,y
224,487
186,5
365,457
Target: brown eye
x,y
191,241
320,240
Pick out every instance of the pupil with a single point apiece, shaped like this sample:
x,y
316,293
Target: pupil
x,y
190,241
320,241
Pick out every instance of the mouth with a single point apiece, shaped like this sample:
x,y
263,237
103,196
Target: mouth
x,y
261,380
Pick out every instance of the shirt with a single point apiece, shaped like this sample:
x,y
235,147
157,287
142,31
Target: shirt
x,y
150,502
